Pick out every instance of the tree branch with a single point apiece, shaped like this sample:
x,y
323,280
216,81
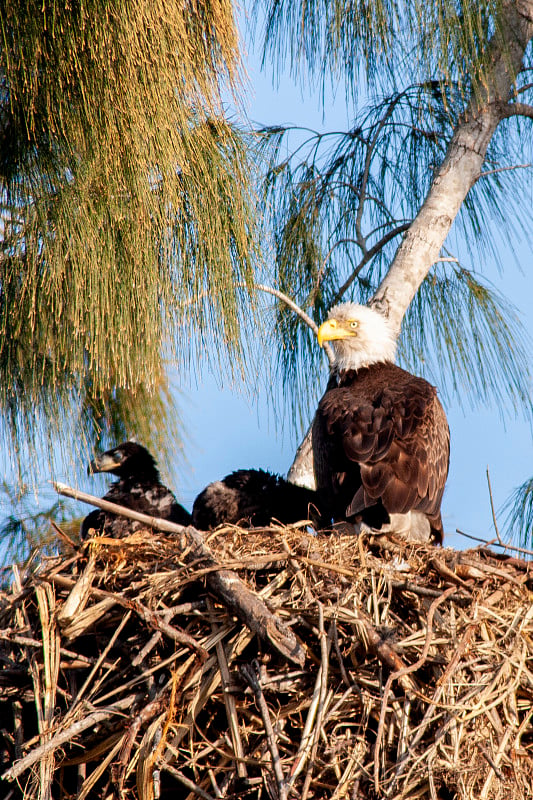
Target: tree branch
x,y
487,172
525,88
517,109
300,312
226,584
120,707
461,166
369,254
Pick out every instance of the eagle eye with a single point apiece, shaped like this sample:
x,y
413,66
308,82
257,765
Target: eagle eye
x,y
354,324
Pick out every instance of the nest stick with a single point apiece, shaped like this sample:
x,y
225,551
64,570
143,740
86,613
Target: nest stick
x,y
250,673
197,790
229,702
226,584
66,735
306,741
324,663
97,665
404,671
89,782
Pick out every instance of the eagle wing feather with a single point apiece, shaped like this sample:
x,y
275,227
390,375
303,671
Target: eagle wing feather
x,y
386,429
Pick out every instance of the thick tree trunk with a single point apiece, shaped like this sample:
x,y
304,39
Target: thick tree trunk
x,y
457,174
461,167
301,471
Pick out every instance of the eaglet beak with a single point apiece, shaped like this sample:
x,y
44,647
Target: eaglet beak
x,y
329,330
102,463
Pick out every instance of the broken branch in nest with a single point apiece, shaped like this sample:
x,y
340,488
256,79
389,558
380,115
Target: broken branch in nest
x,y
250,673
67,735
226,584
139,714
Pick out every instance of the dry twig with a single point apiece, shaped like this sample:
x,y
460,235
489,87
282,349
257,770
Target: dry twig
x,y
135,710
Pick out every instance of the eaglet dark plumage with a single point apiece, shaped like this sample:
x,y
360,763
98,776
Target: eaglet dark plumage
x,y
138,487
252,497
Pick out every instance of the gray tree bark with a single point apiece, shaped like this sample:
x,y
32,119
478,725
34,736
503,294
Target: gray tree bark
x,y
460,169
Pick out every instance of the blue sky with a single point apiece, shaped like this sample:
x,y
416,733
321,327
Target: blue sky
x,y
227,428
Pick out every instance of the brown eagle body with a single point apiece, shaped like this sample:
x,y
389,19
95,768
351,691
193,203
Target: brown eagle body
x,y
252,497
381,441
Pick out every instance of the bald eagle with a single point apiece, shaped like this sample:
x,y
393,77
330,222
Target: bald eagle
x,y
138,487
252,497
381,442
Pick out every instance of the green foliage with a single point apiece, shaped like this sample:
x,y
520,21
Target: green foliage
x,y
338,205
519,509
463,331
24,526
327,33
120,414
383,43
127,211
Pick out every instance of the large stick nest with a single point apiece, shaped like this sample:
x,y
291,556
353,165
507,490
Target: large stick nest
x,y
124,675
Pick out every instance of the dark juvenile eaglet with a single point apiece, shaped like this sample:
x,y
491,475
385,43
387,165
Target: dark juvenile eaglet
x,y
381,442
252,497
138,487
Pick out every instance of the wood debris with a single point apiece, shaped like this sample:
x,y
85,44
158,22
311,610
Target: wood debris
x,y
125,673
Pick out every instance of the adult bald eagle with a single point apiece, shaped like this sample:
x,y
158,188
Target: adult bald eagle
x,y
138,487
252,497
381,442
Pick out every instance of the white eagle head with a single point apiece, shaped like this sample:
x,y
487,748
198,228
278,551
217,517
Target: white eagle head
x,y
359,335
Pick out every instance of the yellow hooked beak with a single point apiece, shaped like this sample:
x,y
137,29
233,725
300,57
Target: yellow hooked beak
x,y
329,330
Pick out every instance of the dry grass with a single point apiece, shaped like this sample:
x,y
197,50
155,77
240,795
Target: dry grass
x,y
123,676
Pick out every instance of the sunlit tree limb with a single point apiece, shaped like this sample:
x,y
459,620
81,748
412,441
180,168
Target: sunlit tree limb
x,y
298,311
462,164
490,86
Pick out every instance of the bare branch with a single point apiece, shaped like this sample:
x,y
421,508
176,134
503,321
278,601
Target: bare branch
x,y
287,300
503,169
120,707
226,584
494,520
517,109
491,542
525,88
369,254
346,240
300,312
